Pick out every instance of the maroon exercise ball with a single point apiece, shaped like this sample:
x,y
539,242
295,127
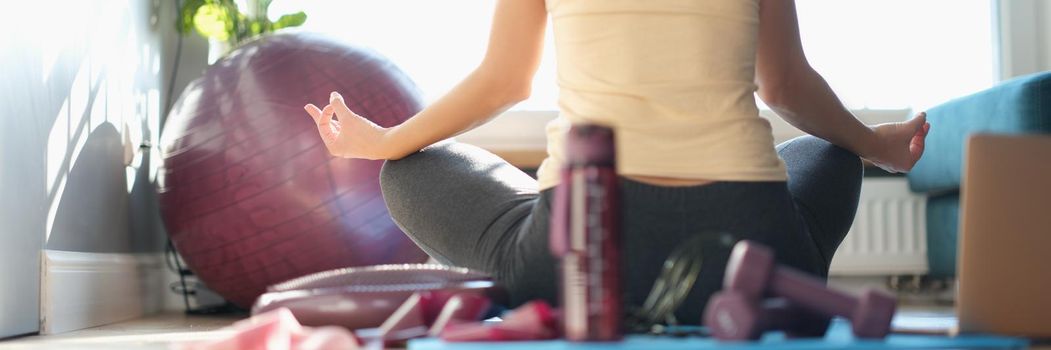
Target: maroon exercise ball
x,y
249,195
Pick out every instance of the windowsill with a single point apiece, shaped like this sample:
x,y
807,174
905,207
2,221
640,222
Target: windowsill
x,y
519,137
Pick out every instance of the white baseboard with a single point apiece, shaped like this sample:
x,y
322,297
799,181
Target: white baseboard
x,y
81,290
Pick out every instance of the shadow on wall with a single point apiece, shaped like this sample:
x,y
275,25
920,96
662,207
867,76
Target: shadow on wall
x,y
75,100
92,213
78,91
96,213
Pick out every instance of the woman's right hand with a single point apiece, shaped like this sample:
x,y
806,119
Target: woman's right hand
x,y
897,147
349,135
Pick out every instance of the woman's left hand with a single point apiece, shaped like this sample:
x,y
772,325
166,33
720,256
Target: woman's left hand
x,y
349,135
898,146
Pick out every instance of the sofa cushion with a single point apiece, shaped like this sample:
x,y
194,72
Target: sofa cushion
x,y
943,219
1020,105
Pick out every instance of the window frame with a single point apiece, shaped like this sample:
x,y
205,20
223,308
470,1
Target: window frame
x,y
520,134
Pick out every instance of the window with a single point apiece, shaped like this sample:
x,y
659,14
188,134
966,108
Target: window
x,y
895,54
882,57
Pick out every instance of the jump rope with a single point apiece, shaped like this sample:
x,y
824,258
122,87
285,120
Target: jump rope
x,y
679,273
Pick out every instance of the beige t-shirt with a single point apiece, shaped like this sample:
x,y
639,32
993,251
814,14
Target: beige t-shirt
x,y
674,78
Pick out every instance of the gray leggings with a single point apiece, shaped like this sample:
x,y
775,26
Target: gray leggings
x,y
467,207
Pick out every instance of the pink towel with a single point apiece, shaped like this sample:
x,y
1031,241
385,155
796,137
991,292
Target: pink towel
x,y
278,330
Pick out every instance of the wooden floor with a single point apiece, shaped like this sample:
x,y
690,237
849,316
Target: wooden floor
x,y
153,332
164,330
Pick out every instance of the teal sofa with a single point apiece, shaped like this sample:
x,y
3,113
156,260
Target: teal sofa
x,y
1018,106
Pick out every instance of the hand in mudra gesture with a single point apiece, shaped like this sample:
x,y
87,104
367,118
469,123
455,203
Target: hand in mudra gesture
x,y
899,145
345,133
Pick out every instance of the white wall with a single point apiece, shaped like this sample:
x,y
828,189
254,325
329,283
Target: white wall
x,y
1025,37
83,83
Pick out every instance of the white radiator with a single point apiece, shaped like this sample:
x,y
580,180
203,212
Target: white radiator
x,y
889,235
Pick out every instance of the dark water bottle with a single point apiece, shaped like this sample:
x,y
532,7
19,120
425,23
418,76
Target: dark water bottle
x,y
585,236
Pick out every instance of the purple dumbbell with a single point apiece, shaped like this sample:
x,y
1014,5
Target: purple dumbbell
x,y
731,315
751,271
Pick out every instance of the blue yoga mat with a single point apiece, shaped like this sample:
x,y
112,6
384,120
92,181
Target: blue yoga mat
x,y
838,337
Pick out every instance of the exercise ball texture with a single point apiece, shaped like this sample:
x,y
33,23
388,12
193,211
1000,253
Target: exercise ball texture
x,y
249,195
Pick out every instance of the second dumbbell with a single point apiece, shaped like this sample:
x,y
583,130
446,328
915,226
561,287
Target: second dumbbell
x,y
734,316
752,272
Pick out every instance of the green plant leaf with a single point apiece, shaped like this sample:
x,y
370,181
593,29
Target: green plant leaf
x,y
212,21
256,27
290,20
237,25
186,13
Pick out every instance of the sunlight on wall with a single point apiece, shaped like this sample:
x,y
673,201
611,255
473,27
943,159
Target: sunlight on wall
x,y
153,119
114,85
80,81
81,95
58,139
878,54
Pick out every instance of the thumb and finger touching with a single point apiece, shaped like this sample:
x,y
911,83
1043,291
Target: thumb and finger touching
x,y
327,128
902,143
916,146
340,107
918,127
346,115
331,131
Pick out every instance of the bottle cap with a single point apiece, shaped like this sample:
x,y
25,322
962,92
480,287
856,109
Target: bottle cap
x,y
589,144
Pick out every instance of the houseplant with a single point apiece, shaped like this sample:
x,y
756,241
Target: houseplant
x,y
226,25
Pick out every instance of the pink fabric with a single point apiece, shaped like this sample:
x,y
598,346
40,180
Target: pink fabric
x,y
535,320
278,330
